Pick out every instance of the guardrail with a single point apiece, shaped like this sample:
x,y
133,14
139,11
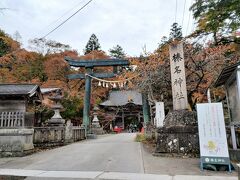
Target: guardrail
x,y
78,133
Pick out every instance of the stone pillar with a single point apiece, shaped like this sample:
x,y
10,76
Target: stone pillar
x,y
178,78
68,132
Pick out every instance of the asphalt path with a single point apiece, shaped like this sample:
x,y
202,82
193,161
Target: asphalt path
x,y
111,153
113,156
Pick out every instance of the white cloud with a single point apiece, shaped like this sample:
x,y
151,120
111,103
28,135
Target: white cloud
x,y
129,23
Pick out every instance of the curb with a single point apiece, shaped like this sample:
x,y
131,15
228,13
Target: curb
x,y
100,175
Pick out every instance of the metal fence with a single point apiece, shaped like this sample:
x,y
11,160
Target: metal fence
x,y
78,133
16,119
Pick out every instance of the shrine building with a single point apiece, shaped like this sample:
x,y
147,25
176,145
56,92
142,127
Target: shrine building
x,y
127,107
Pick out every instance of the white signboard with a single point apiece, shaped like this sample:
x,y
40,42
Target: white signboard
x,y
178,78
160,114
212,134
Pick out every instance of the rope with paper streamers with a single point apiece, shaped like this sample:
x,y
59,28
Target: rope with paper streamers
x,y
107,83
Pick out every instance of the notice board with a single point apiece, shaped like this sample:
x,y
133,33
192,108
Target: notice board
x,y
212,134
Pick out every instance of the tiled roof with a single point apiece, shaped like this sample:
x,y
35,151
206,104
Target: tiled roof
x,y
121,98
18,89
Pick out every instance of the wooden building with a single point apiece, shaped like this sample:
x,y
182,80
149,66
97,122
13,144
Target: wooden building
x,y
127,107
229,78
17,103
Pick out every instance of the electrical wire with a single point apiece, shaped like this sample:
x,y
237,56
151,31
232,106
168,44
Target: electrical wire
x,y
68,11
176,11
193,24
184,8
68,18
189,14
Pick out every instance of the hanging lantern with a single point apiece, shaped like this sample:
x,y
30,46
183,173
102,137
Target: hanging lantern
x,y
99,83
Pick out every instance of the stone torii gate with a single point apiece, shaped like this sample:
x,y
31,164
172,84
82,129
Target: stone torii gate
x,y
89,66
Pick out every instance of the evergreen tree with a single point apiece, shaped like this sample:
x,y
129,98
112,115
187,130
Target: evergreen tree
x,y
92,44
176,32
117,52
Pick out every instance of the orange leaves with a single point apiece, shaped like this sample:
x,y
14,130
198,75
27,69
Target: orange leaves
x,y
23,56
55,67
202,65
95,55
5,59
6,76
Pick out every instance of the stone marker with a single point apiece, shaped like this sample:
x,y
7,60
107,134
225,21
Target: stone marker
x,y
179,90
179,134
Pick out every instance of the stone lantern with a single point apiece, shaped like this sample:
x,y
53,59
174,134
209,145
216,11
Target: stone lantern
x,y
96,128
95,121
57,118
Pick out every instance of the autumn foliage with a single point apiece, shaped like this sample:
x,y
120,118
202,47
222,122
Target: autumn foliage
x,y
46,67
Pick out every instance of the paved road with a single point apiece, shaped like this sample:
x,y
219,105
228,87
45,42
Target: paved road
x,y
115,153
108,157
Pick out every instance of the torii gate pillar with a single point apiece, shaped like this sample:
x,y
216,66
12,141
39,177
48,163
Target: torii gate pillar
x,y
87,98
89,66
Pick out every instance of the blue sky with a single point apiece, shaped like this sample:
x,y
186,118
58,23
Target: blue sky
x,y
132,24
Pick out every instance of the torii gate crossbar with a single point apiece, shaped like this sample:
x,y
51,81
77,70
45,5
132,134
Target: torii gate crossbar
x,y
89,66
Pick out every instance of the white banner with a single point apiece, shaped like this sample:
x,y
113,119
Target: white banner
x,y
160,114
178,78
212,133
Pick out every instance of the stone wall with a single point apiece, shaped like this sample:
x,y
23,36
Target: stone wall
x,y
16,142
179,134
49,136
234,154
21,141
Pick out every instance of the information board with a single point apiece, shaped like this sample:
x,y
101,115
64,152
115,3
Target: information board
x,y
212,134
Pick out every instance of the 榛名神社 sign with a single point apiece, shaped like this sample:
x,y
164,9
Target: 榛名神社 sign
x,y
178,78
